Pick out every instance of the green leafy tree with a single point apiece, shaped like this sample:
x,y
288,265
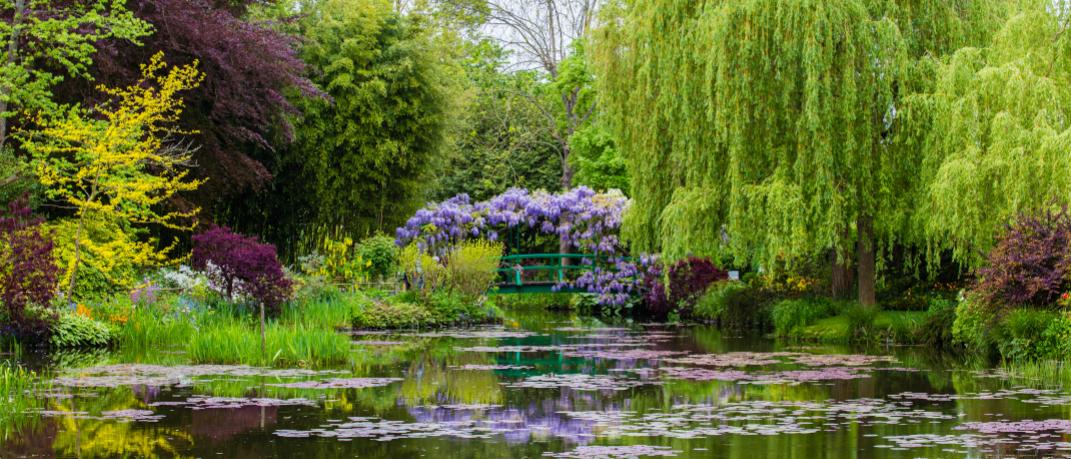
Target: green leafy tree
x,y
363,159
119,162
996,133
596,160
501,139
45,41
775,161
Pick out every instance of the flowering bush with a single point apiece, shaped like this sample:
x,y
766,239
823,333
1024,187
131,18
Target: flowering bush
x,y
381,255
472,267
1029,266
584,220
340,264
684,283
243,266
423,272
28,270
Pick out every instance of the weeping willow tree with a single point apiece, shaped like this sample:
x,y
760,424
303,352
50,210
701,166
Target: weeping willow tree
x,y
762,129
998,137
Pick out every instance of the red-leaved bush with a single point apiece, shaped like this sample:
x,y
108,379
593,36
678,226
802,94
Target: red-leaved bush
x,y
242,266
685,282
28,271
1029,264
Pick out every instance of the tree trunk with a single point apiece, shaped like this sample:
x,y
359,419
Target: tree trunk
x,y
567,184
77,256
840,260
262,347
12,48
841,281
567,169
867,269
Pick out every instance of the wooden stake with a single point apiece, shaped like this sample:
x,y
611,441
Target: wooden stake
x,y
262,351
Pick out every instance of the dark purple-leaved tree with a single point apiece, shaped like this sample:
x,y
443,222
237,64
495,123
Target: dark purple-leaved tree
x,y
240,112
242,266
1030,264
28,272
684,283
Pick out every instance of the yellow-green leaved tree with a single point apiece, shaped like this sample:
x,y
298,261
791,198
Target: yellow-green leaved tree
x,y
119,161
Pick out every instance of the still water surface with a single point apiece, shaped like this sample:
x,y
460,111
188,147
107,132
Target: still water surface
x,y
550,385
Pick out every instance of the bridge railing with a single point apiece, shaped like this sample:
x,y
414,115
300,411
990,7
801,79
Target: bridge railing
x,y
513,269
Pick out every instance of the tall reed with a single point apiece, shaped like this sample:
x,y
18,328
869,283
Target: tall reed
x,y
17,399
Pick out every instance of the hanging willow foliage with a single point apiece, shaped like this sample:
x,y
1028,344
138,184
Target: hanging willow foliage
x,y
763,129
1000,142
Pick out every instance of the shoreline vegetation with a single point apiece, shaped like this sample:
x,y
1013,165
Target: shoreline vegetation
x,y
258,182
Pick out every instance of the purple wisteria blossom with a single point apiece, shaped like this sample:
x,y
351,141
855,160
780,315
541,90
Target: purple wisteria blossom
x,y
587,221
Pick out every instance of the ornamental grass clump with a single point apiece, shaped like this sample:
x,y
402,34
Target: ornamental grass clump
x,y
235,341
242,266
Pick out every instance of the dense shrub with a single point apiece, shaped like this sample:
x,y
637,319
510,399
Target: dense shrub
x,y
77,330
243,266
1020,335
545,301
27,271
936,328
376,313
1029,264
423,272
451,308
682,285
381,254
862,324
734,306
791,315
472,267
970,329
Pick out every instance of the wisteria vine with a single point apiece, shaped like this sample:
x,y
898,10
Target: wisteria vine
x,y
588,221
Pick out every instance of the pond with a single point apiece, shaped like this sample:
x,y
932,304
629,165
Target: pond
x,y
548,385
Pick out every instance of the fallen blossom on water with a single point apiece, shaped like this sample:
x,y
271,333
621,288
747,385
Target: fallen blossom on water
x,y
492,367
703,374
116,415
734,359
207,403
746,359
1058,425
159,375
778,377
615,452
384,430
132,415
557,348
476,334
580,382
341,383
629,354
592,329
840,360
463,407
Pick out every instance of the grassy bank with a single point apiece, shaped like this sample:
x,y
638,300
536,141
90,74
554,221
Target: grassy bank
x,y
308,331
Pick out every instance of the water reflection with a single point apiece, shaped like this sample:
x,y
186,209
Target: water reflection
x,y
549,383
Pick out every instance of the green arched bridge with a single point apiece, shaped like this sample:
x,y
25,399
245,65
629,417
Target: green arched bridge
x,y
541,272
